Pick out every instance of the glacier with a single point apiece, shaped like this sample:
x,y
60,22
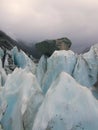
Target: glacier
x,y
88,65
57,93
19,88
67,106
71,63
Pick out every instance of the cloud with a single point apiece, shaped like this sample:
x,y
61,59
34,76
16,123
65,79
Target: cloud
x,y
36,20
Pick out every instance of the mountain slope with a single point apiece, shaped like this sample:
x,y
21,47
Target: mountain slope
x,y
6,42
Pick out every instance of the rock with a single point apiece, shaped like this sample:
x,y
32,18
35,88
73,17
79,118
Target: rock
x,y
9,65
47,47
6,42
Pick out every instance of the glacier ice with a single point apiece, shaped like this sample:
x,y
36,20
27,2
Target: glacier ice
x,y
67,106
71,63
3,75
19,88
10,59
1,53
58,62
22,60
88,65
41,69
56,94
32,108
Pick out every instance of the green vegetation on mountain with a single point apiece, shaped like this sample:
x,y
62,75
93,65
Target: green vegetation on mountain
x,y
47,47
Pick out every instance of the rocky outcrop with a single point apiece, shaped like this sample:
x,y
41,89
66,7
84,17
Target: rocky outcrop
x,y
6,42
49,46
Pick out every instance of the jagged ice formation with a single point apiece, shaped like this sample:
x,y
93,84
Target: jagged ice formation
x,y
55,94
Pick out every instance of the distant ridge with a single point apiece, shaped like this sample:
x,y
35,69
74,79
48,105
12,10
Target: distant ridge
x,y
6,42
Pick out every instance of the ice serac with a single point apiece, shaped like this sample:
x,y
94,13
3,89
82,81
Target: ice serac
x,y
1,53
58,62
86,69
41,69
3,75
22,60
67,106
18,90
55,95
32,108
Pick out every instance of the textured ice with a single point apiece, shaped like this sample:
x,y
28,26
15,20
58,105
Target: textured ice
x,y
58,62
55,95
1,53
19,88
3,75
32,109
22,60
67,106
86,69
41,69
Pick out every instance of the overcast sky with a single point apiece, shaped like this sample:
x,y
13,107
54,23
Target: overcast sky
x,y
36,20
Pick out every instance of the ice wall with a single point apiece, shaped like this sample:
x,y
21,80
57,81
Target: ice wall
x,y
67,106
84,67
56,94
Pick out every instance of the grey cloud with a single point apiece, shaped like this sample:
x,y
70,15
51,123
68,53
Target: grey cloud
x,y
36,20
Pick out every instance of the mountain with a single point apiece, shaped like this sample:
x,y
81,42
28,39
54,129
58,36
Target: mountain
x,y
47,47
57,93
6,42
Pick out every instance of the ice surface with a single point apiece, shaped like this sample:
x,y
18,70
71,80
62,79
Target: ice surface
x,y
49,96
86,69
67,106
1,127
1,53
19,88
22,60
3,103
32,109
58,62
3,75
41,69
